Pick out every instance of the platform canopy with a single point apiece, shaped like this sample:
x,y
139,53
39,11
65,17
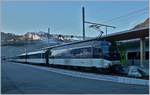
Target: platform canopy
x,y
127,35
140,33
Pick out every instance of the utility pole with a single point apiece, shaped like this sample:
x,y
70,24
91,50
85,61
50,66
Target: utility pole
x,y
83,22
48,35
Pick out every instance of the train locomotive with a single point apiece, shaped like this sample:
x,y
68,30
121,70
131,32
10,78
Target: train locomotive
x,y
95,53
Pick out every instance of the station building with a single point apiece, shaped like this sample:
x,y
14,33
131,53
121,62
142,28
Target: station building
x,y
136,43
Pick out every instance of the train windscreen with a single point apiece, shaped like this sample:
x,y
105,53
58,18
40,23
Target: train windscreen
x,y
110,51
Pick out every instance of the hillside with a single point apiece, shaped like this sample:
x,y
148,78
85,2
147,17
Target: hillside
x,y
29,37
13,39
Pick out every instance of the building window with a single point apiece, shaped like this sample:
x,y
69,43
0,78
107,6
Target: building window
x,y
147,55
136,55
133,55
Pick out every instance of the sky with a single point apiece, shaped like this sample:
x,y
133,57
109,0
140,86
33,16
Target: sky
x,y
65,17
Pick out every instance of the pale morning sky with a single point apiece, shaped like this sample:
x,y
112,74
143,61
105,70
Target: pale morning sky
x,y
64,17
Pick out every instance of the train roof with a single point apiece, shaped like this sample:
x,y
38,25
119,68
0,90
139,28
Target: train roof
x,y
75,42
35,52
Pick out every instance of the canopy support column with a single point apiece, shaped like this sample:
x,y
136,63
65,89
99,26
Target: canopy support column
x,y
142,51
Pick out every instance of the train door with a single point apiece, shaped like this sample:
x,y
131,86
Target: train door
x,y
47,54
98,55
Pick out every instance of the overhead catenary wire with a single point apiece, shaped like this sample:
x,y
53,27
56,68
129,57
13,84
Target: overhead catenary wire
x,y
130,17
145,10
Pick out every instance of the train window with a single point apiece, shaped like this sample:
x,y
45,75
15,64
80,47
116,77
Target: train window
x,y
81,52
22,57
35,55
105,43
42,55
113,53
97,52
105,49
59,53
72,53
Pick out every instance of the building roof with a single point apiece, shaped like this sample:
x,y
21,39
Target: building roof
x,y
127,35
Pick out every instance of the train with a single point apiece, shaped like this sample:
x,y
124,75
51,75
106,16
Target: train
x,y
95,53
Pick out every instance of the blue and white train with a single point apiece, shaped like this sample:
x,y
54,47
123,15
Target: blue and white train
x,y
95,53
